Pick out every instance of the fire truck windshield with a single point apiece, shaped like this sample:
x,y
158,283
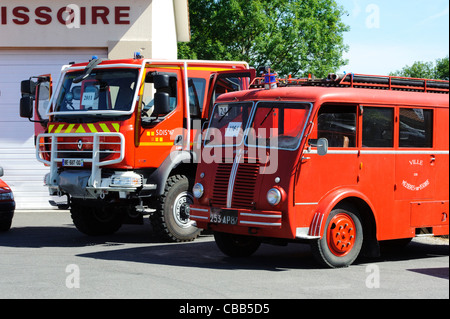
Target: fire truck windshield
x,y
227,125
279,125
103,92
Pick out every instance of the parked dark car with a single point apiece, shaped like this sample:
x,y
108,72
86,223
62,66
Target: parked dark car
x,y
7,205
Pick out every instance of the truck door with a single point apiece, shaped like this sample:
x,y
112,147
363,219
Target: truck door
x,y
416,163
226,82
321,174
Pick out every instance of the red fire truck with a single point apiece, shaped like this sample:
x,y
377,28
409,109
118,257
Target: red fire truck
x,y
343,163
118,137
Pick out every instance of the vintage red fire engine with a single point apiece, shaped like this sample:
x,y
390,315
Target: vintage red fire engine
x,y
344,163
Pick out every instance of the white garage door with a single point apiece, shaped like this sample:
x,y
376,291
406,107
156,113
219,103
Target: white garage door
x,y
23,172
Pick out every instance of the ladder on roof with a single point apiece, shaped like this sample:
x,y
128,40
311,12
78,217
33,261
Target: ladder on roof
x,y
351,80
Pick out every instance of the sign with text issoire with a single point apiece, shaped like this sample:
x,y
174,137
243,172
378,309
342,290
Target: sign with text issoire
x,y
65,15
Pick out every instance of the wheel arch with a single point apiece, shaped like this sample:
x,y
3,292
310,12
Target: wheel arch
x,y
353,200
180,162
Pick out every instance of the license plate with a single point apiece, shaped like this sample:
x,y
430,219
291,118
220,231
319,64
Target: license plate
x,y
224,217
73,162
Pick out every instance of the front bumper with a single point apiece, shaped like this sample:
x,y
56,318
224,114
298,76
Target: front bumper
x,y
203,216
76,184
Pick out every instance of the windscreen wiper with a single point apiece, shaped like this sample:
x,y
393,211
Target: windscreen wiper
x,y
88,70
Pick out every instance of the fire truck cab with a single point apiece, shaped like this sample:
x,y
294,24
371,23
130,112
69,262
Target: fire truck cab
x,y
119,137
342,163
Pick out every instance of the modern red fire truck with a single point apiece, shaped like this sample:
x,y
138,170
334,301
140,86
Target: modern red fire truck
x,y
118,137
343,163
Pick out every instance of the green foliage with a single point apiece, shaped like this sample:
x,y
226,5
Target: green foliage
x,y
292,36
426,70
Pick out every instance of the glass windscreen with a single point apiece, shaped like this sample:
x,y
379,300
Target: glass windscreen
x,y
102,90
227,124
278,125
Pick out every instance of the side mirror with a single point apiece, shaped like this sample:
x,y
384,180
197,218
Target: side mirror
x,y
28,87
322,146
26,107
1,171
162,103
161,81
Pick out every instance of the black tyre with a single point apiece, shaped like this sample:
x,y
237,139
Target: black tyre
x,y
237,245
95,221
171,221
342,240
5,223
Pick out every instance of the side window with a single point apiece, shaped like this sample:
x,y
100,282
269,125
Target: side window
x,y
148,103
337,123
416,128
44,100
197,88
378,127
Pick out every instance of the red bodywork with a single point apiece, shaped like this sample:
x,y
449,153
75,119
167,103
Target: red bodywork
x,y
145,147
397,190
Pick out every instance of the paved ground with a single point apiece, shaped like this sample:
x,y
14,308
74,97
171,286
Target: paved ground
x,y
44,256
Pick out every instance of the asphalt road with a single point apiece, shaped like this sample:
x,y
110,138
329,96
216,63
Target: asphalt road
x,y
44,256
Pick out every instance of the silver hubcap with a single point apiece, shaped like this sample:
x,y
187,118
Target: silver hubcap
x,y
179,209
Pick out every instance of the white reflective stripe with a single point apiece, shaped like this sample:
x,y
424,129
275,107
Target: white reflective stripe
x,y
386,152
259,223
199,217
405,152
199,209
316,224
260,215
305,204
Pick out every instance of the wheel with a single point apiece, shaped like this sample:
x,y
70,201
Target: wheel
x,y
5,223
94,221
342,239
171,221
237,245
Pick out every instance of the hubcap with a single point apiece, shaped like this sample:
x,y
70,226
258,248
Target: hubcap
x,y
180,209
341,234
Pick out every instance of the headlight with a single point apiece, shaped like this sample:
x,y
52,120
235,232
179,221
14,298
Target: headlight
x,y
198,190
126,179
274,196
6,196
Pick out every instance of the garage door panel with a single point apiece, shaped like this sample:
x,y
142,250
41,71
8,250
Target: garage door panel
x,y
17,153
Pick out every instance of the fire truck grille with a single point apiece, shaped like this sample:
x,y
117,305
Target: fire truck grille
x,y
94,149
221,184
244,186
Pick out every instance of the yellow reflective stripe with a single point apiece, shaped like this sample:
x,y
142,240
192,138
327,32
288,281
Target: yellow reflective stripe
x,y
92,128
213,69
116,126
156,144
83,128
104,127
69,129
60,127
80,129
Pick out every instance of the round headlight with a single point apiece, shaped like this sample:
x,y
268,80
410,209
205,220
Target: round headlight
x,y
198,190
274,196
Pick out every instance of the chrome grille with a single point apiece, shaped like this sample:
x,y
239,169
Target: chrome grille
x,y
245,184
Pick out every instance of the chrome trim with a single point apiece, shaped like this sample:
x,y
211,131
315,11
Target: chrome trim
x,y
95,179
232,179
